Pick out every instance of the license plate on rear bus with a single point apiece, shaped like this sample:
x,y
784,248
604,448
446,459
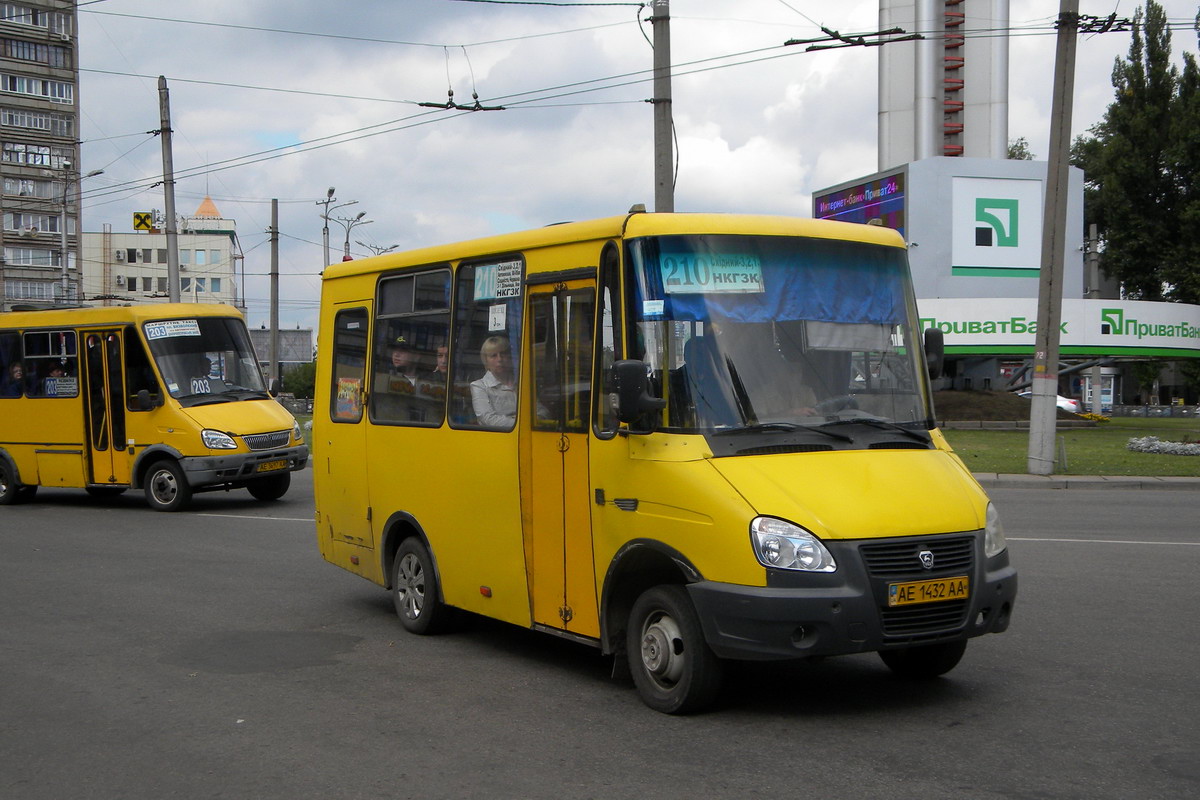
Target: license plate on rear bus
x,y
932,591
271,466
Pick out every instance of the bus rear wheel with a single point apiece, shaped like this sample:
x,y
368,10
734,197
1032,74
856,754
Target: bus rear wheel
x,y
166,486
926,661
10,490
673,668
415,590
271,488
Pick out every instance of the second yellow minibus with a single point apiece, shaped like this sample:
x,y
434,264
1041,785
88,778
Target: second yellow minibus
x,y
167,398
679,438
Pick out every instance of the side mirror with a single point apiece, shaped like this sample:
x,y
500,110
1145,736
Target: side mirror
x,y
935,352
275,387
632,388
146,401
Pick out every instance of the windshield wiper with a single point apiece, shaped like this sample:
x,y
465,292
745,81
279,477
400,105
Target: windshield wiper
x,y
882,424
764,427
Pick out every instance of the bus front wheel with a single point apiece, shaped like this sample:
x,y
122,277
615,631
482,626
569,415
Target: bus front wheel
x,y
167,488
673,667
926,661
415,590
271,488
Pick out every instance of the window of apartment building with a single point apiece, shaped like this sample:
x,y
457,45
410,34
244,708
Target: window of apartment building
x,y
36,223
54,91
21,289
162,285
49,54
31,257
214,285
147,254
53,21
201,258
162,259
46,121
23,187
185,285
36,155
185,257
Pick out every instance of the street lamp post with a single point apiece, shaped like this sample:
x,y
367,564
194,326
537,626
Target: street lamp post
x,y
349,223
329,198
62,223
377,249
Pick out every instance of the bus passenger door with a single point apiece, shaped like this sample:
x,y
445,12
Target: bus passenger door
x,y
340,462
104,398
558,535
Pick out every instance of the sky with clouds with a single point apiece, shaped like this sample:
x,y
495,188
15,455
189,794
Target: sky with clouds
x,y
284,99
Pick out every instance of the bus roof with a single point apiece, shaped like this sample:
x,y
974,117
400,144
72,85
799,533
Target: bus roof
x,y
114,315
626,226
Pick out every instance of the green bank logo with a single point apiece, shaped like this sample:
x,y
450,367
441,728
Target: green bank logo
x,y
996,222
1113,323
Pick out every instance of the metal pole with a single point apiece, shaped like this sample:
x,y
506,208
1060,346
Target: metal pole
x,y
62,224
329,198
274,290
1054,232
1093,260
164,110
664,172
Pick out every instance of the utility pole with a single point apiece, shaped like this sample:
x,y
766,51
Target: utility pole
x,y
164,131
1054,232
274,291
1093,262
664,172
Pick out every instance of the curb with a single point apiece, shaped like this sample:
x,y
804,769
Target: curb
x,y
995,480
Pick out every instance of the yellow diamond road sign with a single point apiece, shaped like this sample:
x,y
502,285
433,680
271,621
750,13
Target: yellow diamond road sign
x,y
143,220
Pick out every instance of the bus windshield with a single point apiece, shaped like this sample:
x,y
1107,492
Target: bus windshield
x,y
205,360
742,332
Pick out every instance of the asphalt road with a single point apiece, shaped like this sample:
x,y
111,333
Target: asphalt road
x,y
213,654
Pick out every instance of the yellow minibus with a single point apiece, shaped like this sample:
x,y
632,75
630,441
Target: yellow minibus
x,y
167,398
679,438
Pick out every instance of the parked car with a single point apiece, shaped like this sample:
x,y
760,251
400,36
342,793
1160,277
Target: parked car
x,y
1065,403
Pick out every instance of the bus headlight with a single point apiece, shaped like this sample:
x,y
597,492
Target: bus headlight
x,y
215,440
783,545
993,533
297,434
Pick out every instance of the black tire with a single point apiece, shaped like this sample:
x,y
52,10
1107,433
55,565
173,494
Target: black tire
x,y
8,485
11,491
166,486
105,491
926,661
415,590
271,488
673,668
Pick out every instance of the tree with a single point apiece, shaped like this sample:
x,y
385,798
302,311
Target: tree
x,y
1018,149
300,380
1140,163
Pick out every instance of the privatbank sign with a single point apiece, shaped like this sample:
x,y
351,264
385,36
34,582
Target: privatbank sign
x,y
1008,326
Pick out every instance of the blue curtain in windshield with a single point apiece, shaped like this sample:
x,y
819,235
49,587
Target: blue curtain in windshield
x,y
800,279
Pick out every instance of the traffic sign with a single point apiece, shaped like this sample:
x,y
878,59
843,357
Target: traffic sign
x,y
143,220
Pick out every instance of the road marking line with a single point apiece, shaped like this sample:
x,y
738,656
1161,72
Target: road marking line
x,y
251,516
1100,541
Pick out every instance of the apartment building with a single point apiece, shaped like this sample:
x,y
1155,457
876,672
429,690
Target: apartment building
x,y
39,132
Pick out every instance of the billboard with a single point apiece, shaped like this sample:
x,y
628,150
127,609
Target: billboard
x,y
881,199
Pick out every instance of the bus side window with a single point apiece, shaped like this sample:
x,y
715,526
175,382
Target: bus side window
x,y
12,369
487,314
139,374
51,365
609,340
349,365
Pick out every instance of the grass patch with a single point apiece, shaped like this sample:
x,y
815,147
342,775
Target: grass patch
x,y
1090,451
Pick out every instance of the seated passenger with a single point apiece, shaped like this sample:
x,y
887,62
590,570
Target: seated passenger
x,y
494,396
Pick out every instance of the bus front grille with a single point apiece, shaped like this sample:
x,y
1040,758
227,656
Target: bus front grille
x,y
268,441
